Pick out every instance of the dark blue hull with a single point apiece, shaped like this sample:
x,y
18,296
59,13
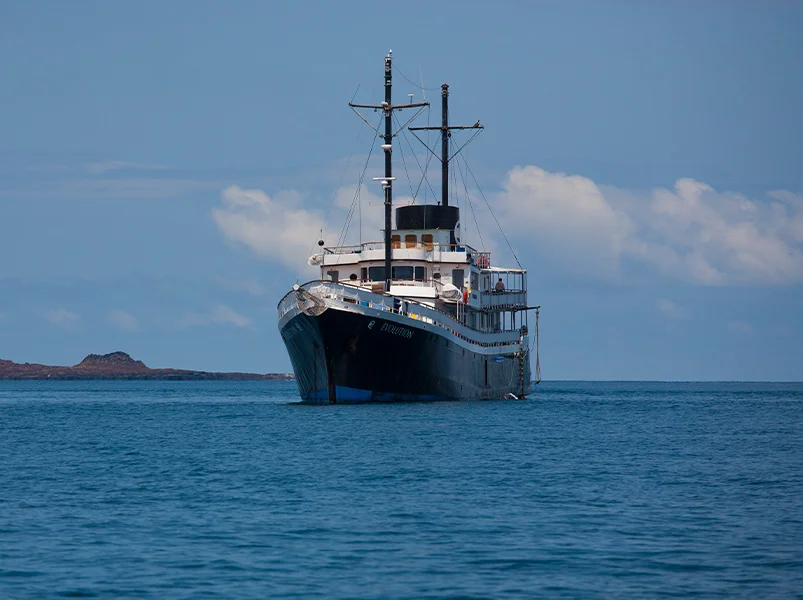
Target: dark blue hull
x,y
350,357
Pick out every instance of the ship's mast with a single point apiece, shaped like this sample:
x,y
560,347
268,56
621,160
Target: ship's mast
x,y
388,183
445,130
445,144
387,179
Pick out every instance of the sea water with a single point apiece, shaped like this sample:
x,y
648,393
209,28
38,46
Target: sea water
x,y
118,489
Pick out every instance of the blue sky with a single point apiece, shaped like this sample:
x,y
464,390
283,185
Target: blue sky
x,y
645,160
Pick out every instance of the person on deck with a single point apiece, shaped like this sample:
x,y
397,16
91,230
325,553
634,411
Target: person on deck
x,y
500,285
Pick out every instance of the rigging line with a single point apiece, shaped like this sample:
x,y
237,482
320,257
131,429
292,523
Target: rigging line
x,y
429,131
404,163
453,182
423,92
502,231
417,85
423,170
339,183
346,224
376,129
471,139
471,206
418,112
425,145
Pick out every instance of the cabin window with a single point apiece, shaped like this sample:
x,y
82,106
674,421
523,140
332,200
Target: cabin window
x,y
410,240
475,280
376,273
402,272
426,239
395,241
333,275
353,277
364,273
458,278
420,273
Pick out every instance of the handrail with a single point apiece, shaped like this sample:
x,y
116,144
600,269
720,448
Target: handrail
x,y
426,313
357,248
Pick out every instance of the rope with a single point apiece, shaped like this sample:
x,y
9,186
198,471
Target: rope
x,y
471,206
334,194
350,214
537,357
417,85
423,169
493,215
404,163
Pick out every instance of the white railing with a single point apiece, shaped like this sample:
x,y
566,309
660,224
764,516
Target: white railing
x,y
503,298
357,248
337,292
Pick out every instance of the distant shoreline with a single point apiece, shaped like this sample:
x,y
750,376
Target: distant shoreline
x,y
120,366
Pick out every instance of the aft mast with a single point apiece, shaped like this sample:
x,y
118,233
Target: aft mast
x,y
445,130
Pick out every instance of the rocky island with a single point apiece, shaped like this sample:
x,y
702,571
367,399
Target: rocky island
x,y
119,365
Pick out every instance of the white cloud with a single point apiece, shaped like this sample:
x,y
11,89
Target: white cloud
x,y
277,228
691,232
220,315
740,327
280,229
671,310
63,318
122,320
567,214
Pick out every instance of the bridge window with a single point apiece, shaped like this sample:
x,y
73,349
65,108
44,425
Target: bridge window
x,y
402,272
420,273
458,278
376,273
410,240
395,241
364,273
426,238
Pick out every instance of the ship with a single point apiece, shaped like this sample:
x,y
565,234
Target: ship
x,y
418,316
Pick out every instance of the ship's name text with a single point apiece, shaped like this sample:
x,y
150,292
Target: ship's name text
x,y
396,330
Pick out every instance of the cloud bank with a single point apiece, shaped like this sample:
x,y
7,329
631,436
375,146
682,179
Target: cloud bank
x,y
690,232
281,230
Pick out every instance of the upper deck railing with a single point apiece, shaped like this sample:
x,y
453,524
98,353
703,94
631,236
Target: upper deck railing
x,y
429,247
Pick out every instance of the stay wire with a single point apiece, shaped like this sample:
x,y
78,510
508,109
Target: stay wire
x,y
404,162
488,204
418,86
349,216
339,183
423,169
471,206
